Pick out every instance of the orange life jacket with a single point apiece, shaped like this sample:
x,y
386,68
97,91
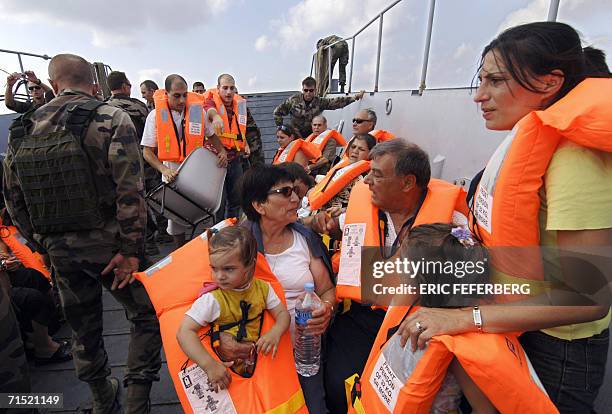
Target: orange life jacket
x,y
341,175
495,362
362,223
321,139
288,153
169,146
507,201
173,285
234,130
17,244
380,134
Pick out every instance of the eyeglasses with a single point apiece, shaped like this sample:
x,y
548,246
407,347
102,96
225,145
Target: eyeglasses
x,y
33,88
285,191
308,90
359,121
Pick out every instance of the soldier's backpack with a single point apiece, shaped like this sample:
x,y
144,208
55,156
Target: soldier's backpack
x,y
55,175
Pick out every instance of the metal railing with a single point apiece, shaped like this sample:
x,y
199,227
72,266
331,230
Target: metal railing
x,y
552,16
378,17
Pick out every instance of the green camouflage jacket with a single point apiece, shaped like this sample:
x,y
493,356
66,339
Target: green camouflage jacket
x,y
113,147
302,112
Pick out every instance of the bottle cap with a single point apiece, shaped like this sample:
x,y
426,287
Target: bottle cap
x,y
309,287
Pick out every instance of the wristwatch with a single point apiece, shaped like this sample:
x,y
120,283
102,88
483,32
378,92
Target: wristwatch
x,y
2,265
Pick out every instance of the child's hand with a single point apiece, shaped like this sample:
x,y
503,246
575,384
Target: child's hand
x,y
268,342
219,377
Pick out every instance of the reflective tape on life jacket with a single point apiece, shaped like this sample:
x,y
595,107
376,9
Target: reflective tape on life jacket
x,y
362,227
321,140
379,134
169,146
234,130
507,200
341,175
18,246
173,285
497,364
288,153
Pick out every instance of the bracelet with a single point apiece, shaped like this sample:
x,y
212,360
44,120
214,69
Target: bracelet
x,y
38,82
2,265
330,304
477,318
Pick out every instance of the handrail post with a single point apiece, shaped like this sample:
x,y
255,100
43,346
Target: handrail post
x,y
432,6
380,29
329,68
312,62
553,9
352,60
23,71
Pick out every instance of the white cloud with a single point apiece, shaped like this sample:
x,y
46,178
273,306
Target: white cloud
x,y
154,74
311,18
262,43
464,49
537,10
113,22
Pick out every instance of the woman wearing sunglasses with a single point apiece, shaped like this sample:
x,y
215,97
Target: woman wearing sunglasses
x,y
537,81
291,148
295,254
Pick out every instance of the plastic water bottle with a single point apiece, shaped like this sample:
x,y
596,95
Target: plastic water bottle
x,y
307,347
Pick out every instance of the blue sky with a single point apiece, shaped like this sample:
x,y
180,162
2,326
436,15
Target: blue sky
x,y
268,44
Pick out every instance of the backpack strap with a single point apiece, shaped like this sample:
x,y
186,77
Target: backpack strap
x,y
19,128
80,115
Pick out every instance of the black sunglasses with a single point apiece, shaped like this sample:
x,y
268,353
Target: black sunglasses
x,y
359,121
33,88
308,90
285,191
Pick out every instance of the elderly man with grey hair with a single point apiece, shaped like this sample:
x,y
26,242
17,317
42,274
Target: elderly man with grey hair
x,y
385,206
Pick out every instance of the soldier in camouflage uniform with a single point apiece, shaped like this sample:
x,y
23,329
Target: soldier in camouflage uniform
x,y
253,137
87,257
339,53
121,89
14,377
305,105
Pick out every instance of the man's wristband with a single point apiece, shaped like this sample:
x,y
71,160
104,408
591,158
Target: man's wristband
x,y
38,82
477,318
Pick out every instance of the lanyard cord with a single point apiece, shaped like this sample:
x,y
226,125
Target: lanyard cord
x,y
382,221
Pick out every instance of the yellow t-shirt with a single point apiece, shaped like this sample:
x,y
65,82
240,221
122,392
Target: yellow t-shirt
x,y
577,196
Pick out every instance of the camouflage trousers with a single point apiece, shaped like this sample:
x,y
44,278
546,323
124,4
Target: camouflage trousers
x,y
13,364
14,376
81,295
257,155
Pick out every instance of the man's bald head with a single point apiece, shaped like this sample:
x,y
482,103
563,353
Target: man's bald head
x,y
70,71
174,80
227,77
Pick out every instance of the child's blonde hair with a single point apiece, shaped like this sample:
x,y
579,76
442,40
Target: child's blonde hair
x,y
229,239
